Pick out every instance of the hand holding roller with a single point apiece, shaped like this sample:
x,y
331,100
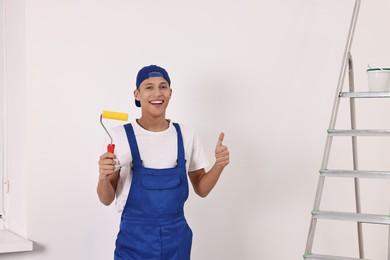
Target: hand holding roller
x,y
115,116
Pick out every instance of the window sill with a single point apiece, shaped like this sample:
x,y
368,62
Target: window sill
x,y
11,242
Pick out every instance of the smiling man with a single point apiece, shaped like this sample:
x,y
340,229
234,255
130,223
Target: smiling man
x,y
151,186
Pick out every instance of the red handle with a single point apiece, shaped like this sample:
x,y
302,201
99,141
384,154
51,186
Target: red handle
x,y
111,148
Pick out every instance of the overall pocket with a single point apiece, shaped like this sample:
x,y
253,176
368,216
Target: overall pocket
x,y
161,193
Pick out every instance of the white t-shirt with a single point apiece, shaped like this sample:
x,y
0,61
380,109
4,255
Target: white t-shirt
x,y
158,150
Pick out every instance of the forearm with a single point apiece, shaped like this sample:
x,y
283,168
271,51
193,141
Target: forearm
x,y
208,180
106,191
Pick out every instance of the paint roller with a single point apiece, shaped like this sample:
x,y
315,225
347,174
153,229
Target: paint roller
x,y
114,116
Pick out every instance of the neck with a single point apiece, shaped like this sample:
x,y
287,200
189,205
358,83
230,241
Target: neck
x,y
153,124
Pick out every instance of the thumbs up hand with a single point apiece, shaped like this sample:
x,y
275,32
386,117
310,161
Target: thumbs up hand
x,y
221,152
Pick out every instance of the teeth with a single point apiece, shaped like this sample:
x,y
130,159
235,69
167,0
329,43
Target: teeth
x,y
156,102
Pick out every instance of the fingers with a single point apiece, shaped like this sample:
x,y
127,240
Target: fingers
x,y
107,155
220,139
107,164
222,155
222,158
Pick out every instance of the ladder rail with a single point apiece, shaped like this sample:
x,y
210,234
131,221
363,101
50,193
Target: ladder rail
x,y
355,154
344,63
325,159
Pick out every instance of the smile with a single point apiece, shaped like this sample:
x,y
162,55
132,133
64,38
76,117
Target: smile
x,y
156,102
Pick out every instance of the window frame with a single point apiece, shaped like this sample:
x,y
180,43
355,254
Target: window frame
x,y
10,241
2,109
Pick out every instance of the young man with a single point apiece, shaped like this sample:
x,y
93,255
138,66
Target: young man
x,y
151,187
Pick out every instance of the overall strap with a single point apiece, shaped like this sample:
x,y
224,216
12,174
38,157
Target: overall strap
x,y
133,145
181,162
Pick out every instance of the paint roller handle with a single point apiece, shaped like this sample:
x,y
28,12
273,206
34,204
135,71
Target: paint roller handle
x,y
111,148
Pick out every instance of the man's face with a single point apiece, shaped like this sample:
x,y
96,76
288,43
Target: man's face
x,y
154,94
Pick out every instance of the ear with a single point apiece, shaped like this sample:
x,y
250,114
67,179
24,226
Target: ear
x,y
136,94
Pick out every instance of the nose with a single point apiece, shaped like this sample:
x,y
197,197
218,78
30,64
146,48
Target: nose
x,y
157,91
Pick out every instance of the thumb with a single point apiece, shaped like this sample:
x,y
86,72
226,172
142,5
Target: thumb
x,y
220,139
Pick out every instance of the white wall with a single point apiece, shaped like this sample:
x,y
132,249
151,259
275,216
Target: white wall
x,y
265,72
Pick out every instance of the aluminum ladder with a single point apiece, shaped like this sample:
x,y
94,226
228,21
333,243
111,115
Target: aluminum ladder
x,y
355,174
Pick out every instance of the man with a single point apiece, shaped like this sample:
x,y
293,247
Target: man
x,y
151,187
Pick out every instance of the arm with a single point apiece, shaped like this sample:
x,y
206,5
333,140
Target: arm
x,y
108,179
202,181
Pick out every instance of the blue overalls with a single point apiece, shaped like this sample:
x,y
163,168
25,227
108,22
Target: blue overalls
x,y
153,226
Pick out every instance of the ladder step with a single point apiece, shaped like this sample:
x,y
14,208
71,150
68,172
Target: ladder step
x,y
329,257
356,174
379,132
357,217
365,94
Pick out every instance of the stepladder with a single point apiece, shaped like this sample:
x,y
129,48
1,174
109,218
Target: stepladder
x,y
354,173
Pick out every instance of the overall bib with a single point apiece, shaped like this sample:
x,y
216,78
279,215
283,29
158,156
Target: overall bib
x,y
153,226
